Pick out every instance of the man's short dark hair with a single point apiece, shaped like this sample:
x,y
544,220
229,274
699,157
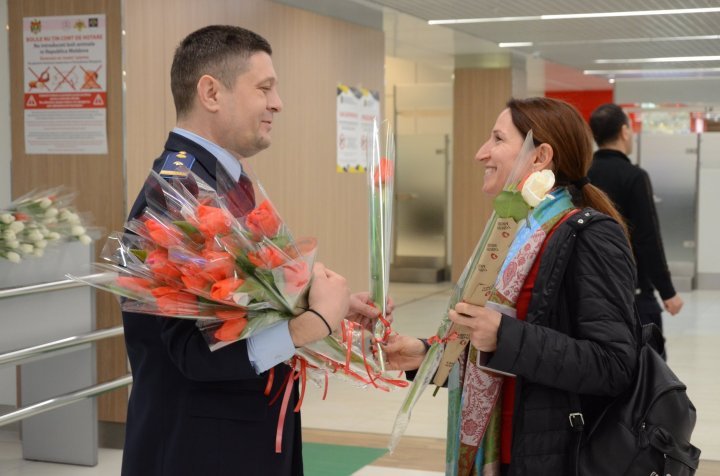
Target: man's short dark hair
x,y
220,51
606,123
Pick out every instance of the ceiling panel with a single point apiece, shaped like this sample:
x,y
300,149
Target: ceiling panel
x,y
575,42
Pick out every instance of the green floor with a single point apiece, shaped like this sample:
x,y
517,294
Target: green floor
x,y
335,460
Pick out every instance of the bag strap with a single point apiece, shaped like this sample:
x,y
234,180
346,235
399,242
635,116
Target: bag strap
x,y
575,417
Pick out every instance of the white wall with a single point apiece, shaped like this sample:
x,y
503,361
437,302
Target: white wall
x,y
7,374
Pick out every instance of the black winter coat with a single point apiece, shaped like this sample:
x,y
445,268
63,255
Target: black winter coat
x,y
578,336
629,187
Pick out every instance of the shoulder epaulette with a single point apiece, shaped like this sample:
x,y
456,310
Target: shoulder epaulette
x,y
177,164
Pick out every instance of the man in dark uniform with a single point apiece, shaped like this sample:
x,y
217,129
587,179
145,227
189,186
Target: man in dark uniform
x,y
628,186
193,412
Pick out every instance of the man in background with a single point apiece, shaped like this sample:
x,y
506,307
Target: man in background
x,y
630,189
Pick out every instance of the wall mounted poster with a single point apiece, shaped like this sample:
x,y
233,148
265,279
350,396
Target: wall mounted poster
x,y
65,70
356,110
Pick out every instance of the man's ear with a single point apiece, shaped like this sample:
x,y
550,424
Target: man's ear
x,y
208,89
625,132
544,157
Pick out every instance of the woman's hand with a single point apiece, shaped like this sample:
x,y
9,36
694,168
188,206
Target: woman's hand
x,y
482,322
403,352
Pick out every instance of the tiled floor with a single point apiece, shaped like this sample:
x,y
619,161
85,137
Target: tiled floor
x,y
693,348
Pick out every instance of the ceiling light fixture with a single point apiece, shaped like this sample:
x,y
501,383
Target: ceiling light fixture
x,y
517,44
576,16
650,72
670,59
628,40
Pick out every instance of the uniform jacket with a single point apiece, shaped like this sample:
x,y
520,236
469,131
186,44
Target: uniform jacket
x,y
578,336
628,186
193,412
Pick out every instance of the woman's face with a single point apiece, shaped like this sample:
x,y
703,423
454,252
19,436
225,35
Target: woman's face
x,y
498,154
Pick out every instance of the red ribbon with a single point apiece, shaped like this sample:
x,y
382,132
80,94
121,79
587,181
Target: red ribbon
x,y
443,340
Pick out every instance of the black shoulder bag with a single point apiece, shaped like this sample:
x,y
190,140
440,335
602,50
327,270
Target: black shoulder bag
x,y
646,430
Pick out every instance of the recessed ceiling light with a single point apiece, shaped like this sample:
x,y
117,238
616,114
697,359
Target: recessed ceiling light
x,y
628,40
575,16
517,44
670,59
677,72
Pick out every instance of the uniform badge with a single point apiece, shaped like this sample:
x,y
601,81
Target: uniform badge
x,y
177,164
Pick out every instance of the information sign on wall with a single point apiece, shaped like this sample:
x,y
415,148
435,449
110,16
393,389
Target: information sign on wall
x,y
65,86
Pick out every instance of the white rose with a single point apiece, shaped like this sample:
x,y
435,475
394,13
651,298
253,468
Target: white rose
x,y
77,230
39,252
13,257
9,235
85,239
41,244
7,218
16,226
72,218
536,187
12,244
45,203
51,212
26,248
54,236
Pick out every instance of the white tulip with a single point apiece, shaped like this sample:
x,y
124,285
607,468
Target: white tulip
x,y
53,236
35,235
85,239
45,203
13,257
77,230
536,187
41,244
12,244
7,218
72,218
26,248
51,212
39,252
16,226
9,235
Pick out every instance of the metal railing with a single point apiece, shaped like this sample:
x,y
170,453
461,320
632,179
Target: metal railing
x,y
40,351
53,286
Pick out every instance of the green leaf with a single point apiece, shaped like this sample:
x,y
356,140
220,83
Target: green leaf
x,y
192,232
281,241
141,254
511,205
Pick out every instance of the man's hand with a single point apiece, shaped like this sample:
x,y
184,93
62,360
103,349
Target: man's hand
x,y
363,310
674,304
403,352
482,322
330,297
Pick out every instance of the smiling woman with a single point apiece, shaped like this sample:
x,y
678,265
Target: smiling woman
x,y
573,332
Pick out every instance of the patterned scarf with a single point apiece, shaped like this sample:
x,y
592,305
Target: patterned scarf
x,y
473,439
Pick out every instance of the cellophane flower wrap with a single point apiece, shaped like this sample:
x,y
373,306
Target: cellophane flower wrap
x,y
224,257
37,220
474,286
381,179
